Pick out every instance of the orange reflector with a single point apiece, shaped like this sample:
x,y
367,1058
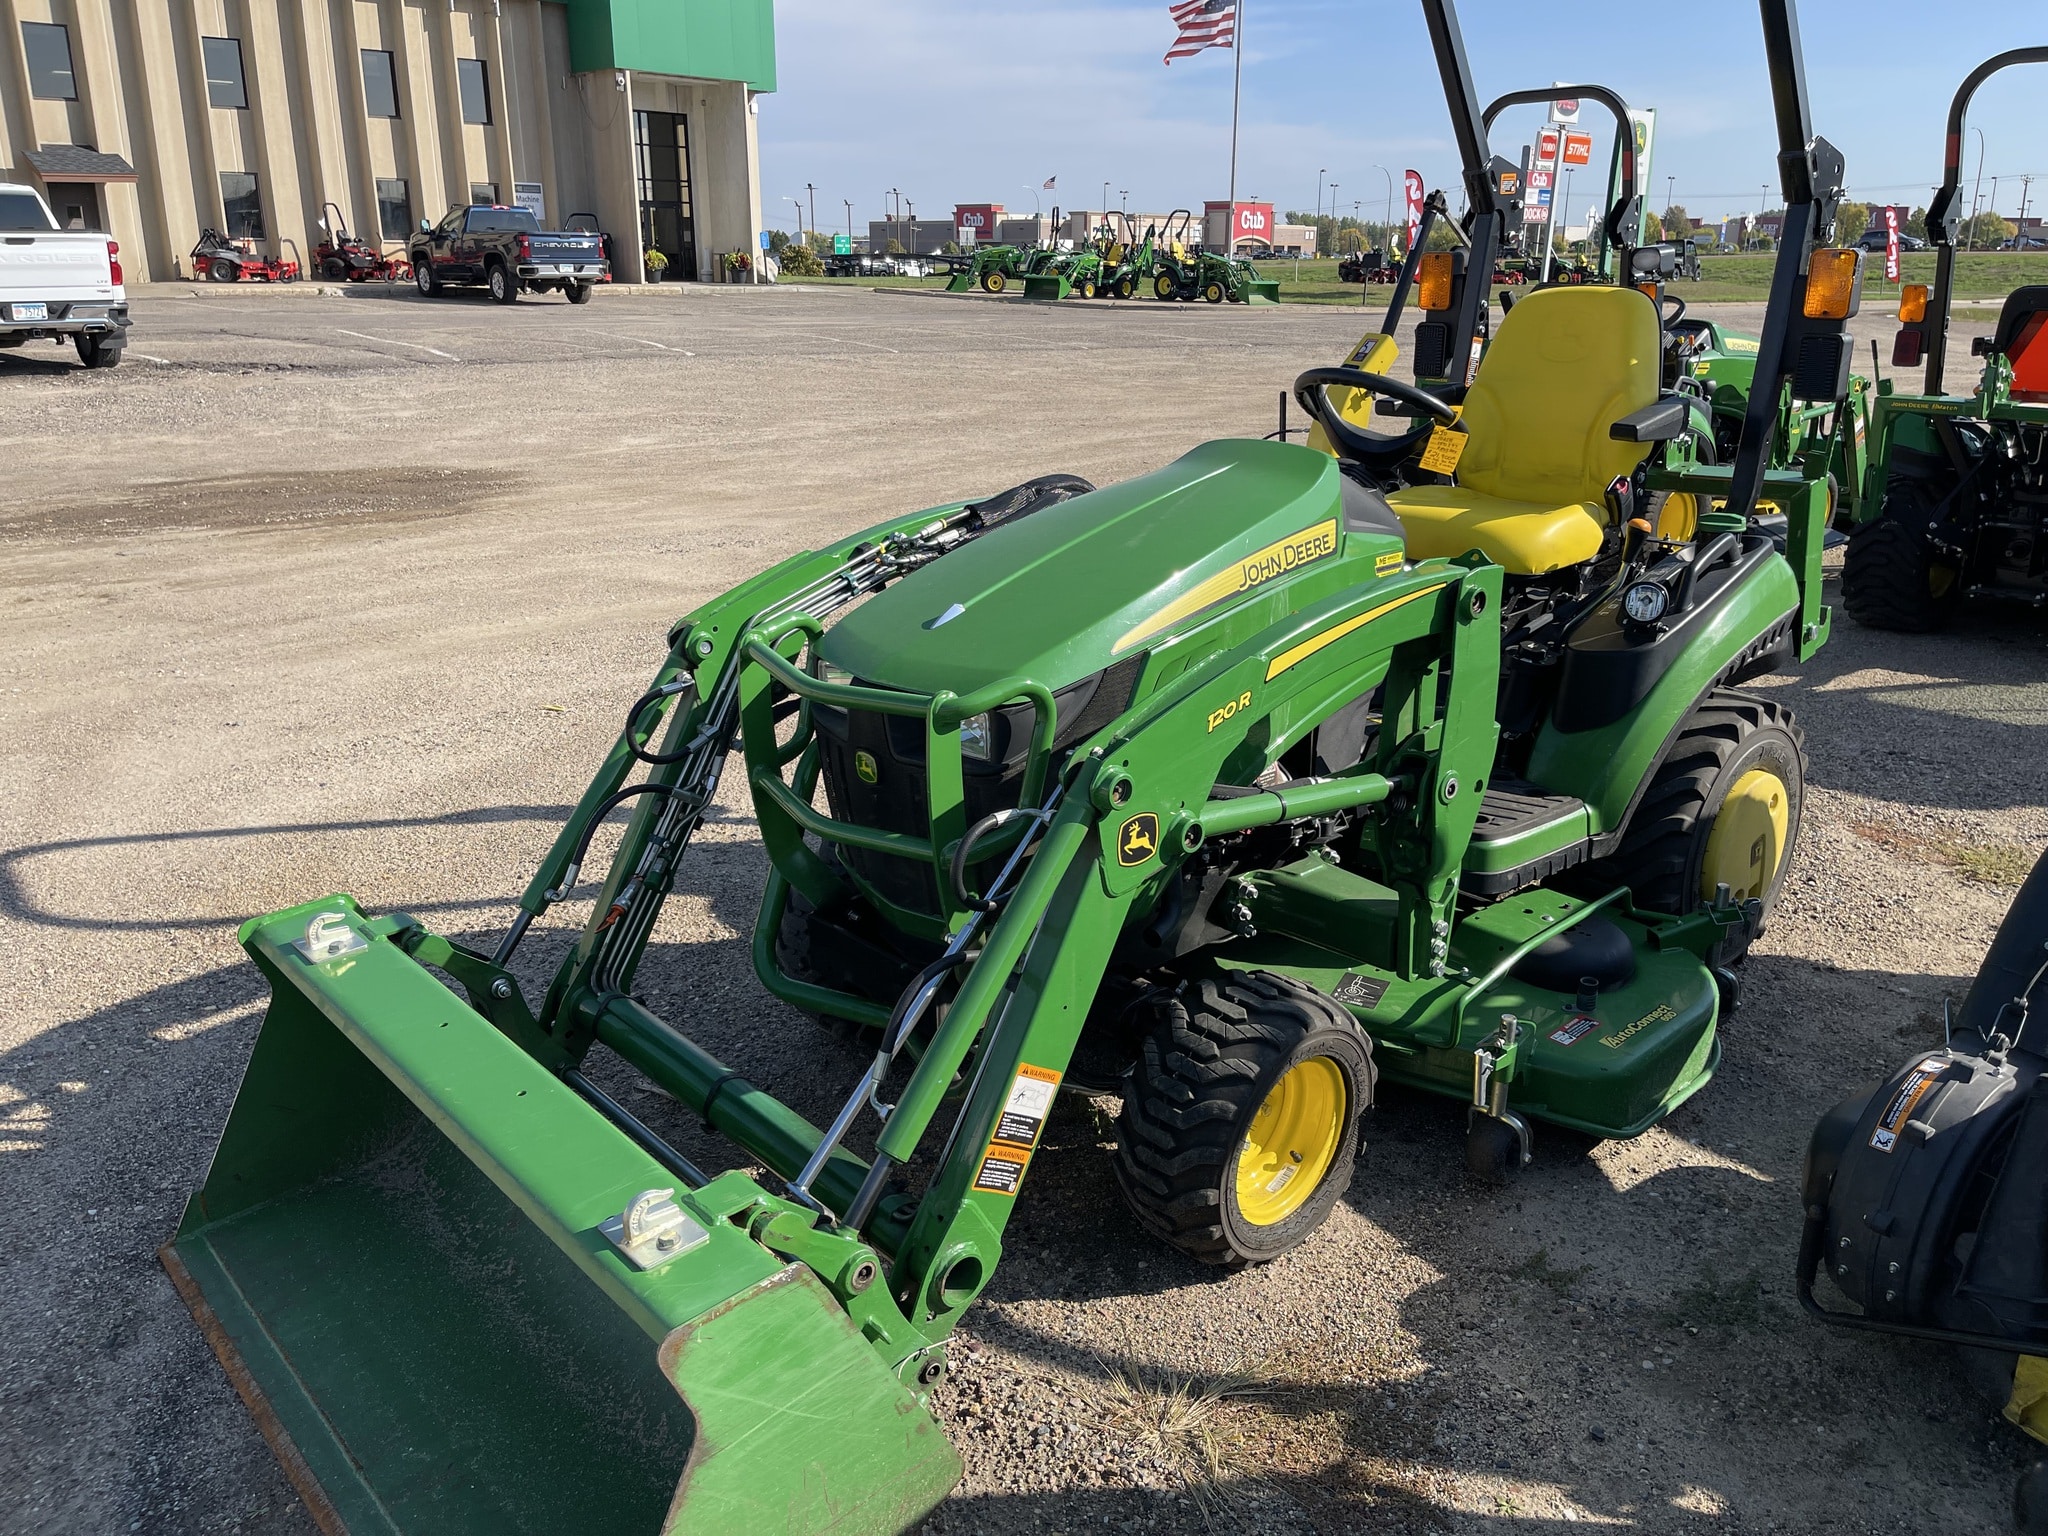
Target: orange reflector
x,y
1433,280
1834,284
1912,303
1649,290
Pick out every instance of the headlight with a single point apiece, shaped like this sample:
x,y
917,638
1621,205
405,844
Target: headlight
x,y
825,672
978,738
1646,602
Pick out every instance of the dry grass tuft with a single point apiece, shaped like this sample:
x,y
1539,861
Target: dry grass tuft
x,y
1185,1418
2000,864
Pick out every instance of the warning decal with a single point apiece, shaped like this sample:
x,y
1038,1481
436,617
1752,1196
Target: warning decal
x,y
1905,1098
1016,1132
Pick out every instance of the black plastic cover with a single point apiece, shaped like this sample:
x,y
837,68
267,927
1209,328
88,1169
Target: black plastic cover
x,y
1610,665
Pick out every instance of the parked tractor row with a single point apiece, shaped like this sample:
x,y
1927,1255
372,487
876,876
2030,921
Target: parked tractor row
x,y
1165,261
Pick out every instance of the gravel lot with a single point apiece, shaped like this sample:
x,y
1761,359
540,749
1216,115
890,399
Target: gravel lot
x,y
347,593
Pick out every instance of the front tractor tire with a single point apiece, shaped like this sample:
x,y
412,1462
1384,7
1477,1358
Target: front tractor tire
x,y
1240,1118
1722,809
993,282
1891,578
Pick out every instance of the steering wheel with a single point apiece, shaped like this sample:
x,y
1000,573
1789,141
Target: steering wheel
x,y
1309,393
1677,314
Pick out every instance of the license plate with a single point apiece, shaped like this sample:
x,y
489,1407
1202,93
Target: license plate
x,y
31,311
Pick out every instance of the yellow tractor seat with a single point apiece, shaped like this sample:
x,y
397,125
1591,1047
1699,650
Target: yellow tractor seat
x,y
1565,365
1525,538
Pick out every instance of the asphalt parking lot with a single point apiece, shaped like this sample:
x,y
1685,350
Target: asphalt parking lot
x,y
318,594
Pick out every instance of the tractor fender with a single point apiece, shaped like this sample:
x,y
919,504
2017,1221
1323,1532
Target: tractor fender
x,y
1622,701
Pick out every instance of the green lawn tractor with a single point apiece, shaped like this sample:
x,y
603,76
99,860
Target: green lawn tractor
x,y
1182,269
1922,1194
1065,273
1126,259
1231,790
992,270
1955,506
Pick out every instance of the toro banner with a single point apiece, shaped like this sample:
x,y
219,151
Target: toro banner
x,y
1891,243
1411,183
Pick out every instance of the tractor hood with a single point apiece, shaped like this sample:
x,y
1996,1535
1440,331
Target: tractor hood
x,y
1064,592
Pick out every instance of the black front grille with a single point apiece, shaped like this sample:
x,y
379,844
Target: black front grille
x,y
896,799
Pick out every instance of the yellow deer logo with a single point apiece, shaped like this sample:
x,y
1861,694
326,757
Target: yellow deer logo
x,y
1138,840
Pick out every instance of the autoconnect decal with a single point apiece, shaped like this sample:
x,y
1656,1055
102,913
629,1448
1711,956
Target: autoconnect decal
x,y
1255,569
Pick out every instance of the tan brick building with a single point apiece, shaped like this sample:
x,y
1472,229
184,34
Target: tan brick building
x,y
154,119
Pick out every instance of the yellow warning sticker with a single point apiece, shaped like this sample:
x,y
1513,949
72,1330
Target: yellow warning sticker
x,y
1017,1130
1387,564
1446,447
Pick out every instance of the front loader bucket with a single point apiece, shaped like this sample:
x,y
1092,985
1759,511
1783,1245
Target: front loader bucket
x,y
1047,285
397,1256
1262,290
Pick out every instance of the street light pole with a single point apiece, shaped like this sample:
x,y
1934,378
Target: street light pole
x,y
808,187
1390,202
1319,189
1333,217
849,222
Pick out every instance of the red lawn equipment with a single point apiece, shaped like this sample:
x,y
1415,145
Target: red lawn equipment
x,y
342,258
221,260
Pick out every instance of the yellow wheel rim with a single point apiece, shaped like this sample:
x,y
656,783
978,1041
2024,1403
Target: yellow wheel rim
x,y
1747,845
1679,518
994,283
1292,1141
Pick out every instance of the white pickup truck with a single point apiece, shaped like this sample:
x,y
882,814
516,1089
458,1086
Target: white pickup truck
x,y
58,284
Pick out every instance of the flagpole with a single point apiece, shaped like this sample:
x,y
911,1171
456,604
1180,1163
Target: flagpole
x,y
1236,89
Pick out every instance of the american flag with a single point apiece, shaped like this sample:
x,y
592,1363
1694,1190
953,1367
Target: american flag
x,y
1202,24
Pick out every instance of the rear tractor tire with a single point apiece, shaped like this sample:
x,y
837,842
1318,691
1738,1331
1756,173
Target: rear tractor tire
x,y
1125,287
1240,1120
1722,809
1891,577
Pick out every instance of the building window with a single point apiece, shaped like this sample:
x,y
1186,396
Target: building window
x,y
49,61
394,208
224,84
380,84
243,208
483,192
474,82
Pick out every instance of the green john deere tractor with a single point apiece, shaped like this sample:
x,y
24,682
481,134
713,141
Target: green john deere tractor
x,y
1233,789
1066,273
1183,269
992,270
1955,508
1126,258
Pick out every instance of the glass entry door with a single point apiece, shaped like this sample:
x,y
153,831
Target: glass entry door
x,y
661,143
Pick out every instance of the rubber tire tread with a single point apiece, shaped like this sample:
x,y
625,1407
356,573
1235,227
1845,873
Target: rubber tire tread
x,y
1884,579
1655,858
1215,1048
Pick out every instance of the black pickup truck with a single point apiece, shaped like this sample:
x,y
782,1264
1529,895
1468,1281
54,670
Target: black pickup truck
x,y
505,250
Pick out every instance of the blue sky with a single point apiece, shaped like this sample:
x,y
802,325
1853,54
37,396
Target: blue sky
x,y
971,103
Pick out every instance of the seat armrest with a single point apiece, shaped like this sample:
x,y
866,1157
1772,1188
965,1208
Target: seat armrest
x,y
1655,423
